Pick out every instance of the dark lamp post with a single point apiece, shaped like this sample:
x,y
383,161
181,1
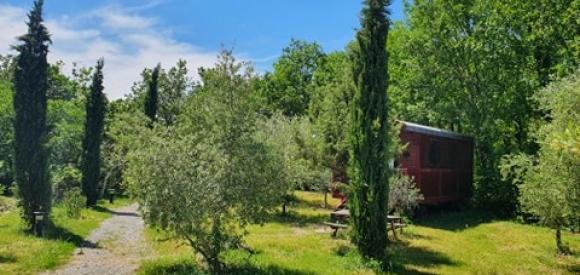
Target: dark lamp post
x,y
38,222
111,195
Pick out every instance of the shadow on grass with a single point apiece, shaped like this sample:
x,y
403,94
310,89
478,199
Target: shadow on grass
x,y
405,259
101,209
312,204
402,255
191,268
297,219
59,233
455,221
7,258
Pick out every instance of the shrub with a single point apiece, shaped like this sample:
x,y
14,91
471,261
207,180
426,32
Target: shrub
x,y
63,180
404,196
208,177
74,202
549,183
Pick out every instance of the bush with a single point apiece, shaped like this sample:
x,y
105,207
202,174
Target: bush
x,y
549,182
63,180
208,177
74,202
404,196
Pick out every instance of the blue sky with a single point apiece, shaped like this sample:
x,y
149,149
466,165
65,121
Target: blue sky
x,y
132,34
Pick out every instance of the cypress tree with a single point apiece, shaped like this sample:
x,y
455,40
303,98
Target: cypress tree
x,y
153,95
369,132
30,131
94,124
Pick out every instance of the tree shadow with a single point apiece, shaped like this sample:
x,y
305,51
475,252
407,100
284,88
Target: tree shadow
x,y
404,259
297,219
7,258
267,270
113,212
191,268
312,204
403,256
455,221
55,232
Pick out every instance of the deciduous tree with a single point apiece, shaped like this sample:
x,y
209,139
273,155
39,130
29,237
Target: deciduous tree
x,y
209,176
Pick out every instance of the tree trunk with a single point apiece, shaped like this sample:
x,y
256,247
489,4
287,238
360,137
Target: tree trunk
x,y
559,245
325,198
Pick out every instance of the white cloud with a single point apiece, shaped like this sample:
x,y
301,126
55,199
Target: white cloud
x,y
117,19
11,26
127,41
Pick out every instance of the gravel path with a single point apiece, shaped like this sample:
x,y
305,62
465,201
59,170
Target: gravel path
x,y
116,247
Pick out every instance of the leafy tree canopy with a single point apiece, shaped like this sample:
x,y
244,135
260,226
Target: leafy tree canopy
x,y
288,88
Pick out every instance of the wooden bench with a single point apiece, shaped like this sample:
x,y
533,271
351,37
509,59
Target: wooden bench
x,y
394,223
336,227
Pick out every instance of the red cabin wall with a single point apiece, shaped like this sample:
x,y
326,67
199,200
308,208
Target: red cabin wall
x,y
442,167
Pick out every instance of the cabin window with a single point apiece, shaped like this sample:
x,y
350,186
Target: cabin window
x,y
452,157
434,154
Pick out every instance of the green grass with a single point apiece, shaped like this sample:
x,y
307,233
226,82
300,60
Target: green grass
x,y
448,243
21,253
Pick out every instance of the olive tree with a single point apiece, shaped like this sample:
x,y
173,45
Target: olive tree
x,y
208,176
549,183
294,141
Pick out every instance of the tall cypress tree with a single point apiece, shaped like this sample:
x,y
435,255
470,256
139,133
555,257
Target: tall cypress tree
x,y
153,94
369,132
30,132
94,124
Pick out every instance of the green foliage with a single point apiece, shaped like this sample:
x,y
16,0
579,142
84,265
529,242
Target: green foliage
x,y
404,196
60,87
294,141
63,180
288,89
329,109
174,87
473,67
74,202
152,96
6,133
94,127
65,120
208,177
369,131
122,129
30,133
550,183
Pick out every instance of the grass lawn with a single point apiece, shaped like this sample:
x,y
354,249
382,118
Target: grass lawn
x,y
449,243
21,253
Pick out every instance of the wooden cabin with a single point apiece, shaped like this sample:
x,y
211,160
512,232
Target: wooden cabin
x,y
440,161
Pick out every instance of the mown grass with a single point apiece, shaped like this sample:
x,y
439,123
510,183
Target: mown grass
x,y
447,243
22,253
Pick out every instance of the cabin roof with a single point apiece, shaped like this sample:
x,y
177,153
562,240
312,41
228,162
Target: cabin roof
x,y
422,129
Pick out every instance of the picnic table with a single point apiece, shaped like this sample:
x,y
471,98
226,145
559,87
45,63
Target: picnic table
x,y
394,223
339,220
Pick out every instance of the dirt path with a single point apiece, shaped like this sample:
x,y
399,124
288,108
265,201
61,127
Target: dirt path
x,y
116,247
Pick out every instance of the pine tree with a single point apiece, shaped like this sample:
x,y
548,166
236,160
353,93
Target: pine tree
x,y
30,85
153,94
369,130
94,124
